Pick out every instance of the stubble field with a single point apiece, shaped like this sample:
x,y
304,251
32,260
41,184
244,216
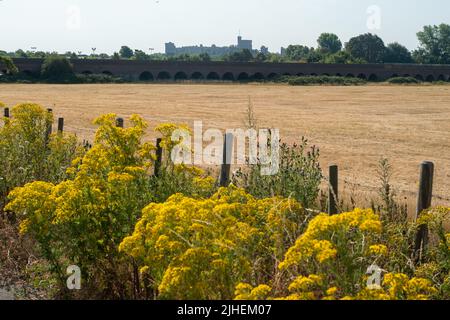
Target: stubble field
x,y
353,126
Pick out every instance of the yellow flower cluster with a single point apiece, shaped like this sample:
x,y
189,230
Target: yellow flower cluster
x,y
193,247
89,214
378,249
245,291
317,241
398,286
37,207
435,217
302,284
117,147
204,184
167,130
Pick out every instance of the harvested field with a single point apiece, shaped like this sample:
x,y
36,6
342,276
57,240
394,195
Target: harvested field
x,y
353,126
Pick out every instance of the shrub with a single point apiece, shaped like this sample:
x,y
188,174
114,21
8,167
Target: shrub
x,y
9,64
201,249
320,80
172,179
330,261
299,175
28,153
55,68
436,261
403,80
338,249
83,219
97,78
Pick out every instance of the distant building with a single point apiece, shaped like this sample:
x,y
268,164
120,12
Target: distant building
x,y
244,44
172,49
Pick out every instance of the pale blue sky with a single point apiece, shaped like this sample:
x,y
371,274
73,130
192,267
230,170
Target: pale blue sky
x,y
143,24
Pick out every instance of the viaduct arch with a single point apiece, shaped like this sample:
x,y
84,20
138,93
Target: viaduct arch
x,y
232,71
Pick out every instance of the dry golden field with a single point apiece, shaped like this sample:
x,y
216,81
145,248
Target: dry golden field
x,y
353,126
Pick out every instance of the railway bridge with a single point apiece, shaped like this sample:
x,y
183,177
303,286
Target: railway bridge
x,y
234,71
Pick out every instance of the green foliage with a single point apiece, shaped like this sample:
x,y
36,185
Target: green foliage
x,y
20,54
125,52
83,219
202,248
299,175
368,47
403,80
242,56
204,57
140,55
329,43
298,52
315,56
261,57
27,153
341,57
396,53
97,78
321,80
434,45
436,262
56,68
9,64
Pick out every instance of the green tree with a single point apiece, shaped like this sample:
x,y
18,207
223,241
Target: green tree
x,y
367,46
20,54
261,57
315,56
184,57
140,55
158,57
275,58
241,56
39,54
125,52
396,53
297,52
9,64
57,68
434,45
71,55
103,56
341,57
329,42
204,57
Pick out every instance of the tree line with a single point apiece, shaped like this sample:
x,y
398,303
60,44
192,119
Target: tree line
x,y
434,48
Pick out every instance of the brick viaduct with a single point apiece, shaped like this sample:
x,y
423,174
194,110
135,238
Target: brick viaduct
x,y
228,71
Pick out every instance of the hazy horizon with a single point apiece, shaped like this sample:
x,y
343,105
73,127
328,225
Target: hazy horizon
x,y
79,25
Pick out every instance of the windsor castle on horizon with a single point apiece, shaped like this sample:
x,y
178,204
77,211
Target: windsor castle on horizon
x,y
213,51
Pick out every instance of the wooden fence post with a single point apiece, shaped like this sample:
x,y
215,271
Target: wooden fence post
x,y
333,189
60,125
48,133
423,202
227,157
158,161
6,113
119,122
